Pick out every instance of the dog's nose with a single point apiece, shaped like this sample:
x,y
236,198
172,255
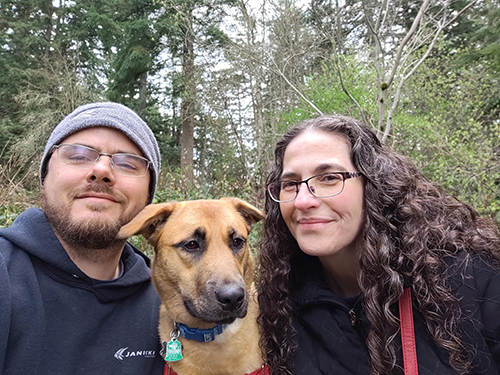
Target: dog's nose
x,y
230,296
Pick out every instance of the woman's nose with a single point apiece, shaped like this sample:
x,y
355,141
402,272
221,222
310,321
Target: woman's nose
x,y
305,199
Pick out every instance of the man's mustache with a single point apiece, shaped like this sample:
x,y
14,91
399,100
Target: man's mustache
x,y
99,189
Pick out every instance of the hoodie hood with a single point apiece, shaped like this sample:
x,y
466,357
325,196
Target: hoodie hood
x,y
32,232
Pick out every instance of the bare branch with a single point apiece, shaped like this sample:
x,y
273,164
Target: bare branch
x,y
364,118
397,64
459,13
405,40
278,70
378,45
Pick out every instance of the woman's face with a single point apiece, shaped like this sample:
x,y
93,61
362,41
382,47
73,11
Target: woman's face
x,y
323,227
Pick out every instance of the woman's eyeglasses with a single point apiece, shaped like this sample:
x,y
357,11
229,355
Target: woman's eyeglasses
x,y
322,186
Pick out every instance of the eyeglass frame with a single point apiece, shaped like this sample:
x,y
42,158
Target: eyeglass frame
x,y
148,163
345,176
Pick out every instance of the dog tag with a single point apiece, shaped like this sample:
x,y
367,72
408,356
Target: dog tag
x,y
173,351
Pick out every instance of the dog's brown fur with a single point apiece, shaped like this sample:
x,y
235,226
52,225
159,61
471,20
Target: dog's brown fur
x,y
198,253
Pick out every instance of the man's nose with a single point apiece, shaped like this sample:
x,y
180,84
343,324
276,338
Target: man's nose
x,y
102,170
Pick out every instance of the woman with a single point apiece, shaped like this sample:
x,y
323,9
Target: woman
x,y
349,224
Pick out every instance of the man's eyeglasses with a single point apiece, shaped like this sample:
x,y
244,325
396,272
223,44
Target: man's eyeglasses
x,y
83,157
322,186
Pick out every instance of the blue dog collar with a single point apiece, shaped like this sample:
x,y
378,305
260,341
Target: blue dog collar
x,y
200,335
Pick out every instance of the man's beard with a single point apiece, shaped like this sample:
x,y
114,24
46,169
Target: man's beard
x,y
92,239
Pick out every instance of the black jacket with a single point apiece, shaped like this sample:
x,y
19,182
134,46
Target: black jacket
x,y
56,320
332,334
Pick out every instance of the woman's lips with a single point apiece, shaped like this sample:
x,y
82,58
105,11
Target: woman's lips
x,y
313,223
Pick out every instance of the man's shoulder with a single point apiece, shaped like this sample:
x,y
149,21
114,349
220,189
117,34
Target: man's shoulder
x,y
133,252
30,232
9,249
28,220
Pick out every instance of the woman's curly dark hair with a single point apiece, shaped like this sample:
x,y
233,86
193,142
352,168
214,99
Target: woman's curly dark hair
x,y
410,226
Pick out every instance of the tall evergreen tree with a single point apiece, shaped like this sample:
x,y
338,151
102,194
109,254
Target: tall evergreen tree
x,y
192,27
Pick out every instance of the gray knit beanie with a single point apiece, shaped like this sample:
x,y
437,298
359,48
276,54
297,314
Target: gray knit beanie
x,y
112,115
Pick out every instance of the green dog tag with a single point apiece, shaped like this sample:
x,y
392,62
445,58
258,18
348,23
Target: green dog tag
x,y
173,351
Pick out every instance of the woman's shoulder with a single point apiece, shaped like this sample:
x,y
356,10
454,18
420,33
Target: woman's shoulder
x,y
472,263
474,275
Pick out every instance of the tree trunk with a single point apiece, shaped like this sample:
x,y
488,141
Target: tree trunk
x,y
143,85
188,101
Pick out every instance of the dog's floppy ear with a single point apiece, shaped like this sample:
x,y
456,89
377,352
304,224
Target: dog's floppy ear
x,y
148,221
250,213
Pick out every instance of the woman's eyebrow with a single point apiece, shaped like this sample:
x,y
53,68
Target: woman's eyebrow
x,y
289,176
329,167
321,168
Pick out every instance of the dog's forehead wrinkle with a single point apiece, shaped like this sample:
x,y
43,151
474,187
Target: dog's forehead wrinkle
x,y
200,233
214,211
197,234
234,232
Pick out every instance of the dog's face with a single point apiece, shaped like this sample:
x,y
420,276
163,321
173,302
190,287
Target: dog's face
x,y
203,267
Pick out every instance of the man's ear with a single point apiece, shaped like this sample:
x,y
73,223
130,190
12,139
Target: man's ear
x,y
147,222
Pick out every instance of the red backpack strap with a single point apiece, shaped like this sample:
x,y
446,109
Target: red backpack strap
x,y
264,370
408,333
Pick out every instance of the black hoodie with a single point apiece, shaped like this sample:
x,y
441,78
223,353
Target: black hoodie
x,y
332,332
56,320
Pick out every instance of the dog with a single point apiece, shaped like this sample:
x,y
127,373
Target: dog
x,y
203,271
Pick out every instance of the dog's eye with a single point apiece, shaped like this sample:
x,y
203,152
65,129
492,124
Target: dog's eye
x,y
192,245
238,242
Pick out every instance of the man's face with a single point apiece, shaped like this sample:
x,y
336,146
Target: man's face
x,y
86,208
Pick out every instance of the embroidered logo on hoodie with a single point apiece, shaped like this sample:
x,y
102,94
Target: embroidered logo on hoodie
x,y
124,353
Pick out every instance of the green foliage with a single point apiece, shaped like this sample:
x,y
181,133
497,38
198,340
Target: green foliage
x,y
172,186
46,97
326,92
21,44
463,159
446,127
9,212
10,133
14,198
482,38
137,48
142,244
166,133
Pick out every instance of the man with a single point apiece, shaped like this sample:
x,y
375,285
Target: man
x,y
73,299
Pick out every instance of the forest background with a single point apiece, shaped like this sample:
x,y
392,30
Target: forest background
x,y
220,81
